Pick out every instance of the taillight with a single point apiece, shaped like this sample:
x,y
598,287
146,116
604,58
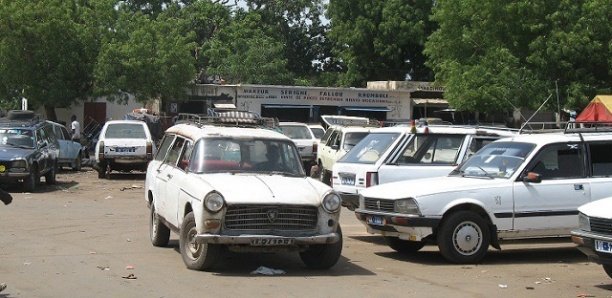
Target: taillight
x,y
101,150
371,179
149,150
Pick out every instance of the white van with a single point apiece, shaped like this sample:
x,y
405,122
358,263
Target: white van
x,y
398,153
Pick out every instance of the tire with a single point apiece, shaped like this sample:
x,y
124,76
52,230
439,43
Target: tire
x,y
102,170
197,256
159,233
77,163
50,175
30,183
464,238
325,175
404,246
608,269
323,256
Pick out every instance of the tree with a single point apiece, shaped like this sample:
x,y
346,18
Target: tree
x,y
380,40
47,51
145,57
493,56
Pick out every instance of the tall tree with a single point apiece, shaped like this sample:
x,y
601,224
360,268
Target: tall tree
x,y
492,56
47,51
380,40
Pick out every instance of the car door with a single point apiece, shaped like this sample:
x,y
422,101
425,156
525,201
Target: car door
x,y
161,176
66,151
177,177
549,207
332,146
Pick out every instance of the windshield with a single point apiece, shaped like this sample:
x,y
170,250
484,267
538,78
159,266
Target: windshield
x,y
217,155
23,138
296,131
352,138
370,148
496,160
125,131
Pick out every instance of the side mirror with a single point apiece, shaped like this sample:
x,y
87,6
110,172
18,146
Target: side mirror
x,y
532,177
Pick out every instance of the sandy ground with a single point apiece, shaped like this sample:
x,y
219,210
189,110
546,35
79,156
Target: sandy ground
x,y
82,236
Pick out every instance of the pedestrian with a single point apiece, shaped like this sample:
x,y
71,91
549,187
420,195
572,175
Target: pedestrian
x,y
76,129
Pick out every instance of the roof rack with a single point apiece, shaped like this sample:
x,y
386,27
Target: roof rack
x,y
588,127
20,118
228,118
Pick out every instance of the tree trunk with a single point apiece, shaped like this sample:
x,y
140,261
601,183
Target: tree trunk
x,y
50,111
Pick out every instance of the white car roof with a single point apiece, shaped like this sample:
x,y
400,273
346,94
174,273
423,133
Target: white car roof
x,y
558,137
124,122
449,129
194,132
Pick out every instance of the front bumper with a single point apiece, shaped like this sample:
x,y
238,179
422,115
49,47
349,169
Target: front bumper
x,y
247,239
586,244
398,225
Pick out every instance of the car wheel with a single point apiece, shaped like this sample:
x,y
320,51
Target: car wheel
x,y
31,182
323,256
197,256
159,233
324,174
102,170
464,237
608,269
77,163
50,175
404,246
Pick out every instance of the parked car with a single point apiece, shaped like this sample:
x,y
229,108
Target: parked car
x,y
28,150
524,187
398,153
594,232
124,145
304,139
240,188
337,142
70,152
317,130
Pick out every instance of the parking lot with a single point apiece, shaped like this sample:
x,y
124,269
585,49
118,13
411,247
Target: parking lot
x,y
88,237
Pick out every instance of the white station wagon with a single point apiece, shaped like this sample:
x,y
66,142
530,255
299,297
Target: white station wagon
x,y
243,188
528,186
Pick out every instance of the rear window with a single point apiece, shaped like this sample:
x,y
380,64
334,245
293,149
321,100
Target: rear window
x,y
125,131
370,148
296,131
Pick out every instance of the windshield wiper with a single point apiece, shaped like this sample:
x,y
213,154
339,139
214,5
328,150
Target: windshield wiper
x,y
487,174
283,173
18,145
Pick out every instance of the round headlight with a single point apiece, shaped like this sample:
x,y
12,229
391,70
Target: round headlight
x,y
331,202
213,202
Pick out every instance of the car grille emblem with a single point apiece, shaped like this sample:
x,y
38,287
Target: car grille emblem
x,y
378,204
272,215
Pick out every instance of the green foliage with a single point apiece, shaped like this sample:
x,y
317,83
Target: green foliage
x,y
491,55
380,40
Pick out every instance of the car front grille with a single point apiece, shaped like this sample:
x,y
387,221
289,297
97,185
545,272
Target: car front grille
x,y
601,225
271,217
379,205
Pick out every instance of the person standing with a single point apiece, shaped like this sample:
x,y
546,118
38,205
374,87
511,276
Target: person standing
x,y
76,129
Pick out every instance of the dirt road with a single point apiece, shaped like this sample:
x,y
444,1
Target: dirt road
x,y
81,237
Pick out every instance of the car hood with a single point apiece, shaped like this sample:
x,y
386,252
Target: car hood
x,y
430,186
267,189
9,153
600,208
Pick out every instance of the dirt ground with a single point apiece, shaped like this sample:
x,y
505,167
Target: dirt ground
x,y
83,236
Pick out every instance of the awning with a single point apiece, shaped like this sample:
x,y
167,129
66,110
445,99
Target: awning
x,y
367,109
279,106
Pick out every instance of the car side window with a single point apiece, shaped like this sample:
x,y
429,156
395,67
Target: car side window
x,y
432,149
601,160
559,161
326,135
186,155
332,139
475,145
64,133
165,144
175,151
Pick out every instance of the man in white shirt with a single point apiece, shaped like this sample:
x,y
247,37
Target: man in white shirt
x,y
76,129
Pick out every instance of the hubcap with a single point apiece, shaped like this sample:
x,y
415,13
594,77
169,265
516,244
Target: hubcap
x,y
193,247
467,238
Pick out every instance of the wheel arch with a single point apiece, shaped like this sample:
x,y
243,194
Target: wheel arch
x,y
478,209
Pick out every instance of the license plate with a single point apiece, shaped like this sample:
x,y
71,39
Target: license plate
x,y
125,149
347,181
603,246
271,241
376,220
